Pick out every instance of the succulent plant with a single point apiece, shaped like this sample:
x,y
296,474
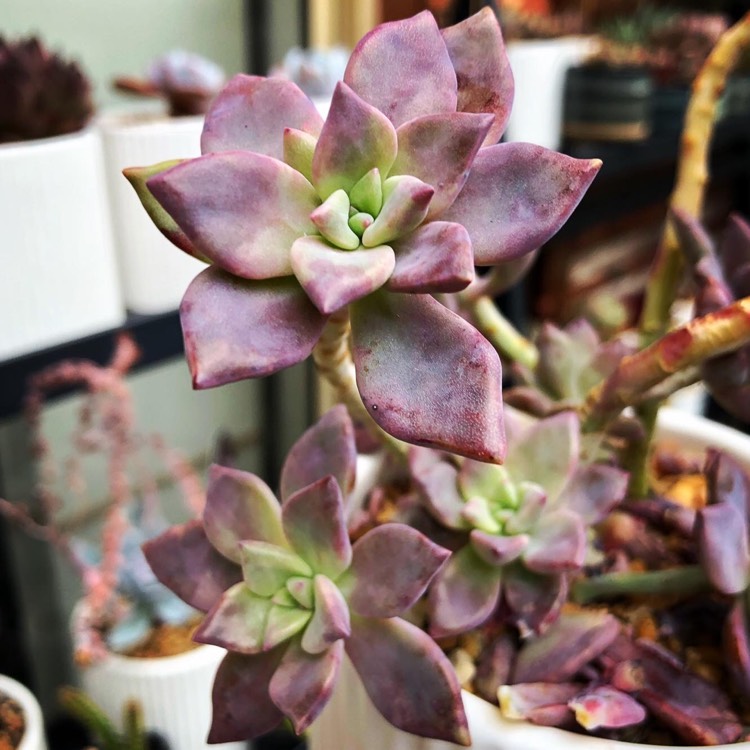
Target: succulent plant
x,y
315,71
41,93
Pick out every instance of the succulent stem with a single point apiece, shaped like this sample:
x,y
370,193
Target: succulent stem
x,y
684,581
135,730
77,703
333,360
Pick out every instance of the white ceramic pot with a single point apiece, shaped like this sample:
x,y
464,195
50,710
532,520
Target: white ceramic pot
x,y
59,275
174,691
351,722
154,273
539,67
33,736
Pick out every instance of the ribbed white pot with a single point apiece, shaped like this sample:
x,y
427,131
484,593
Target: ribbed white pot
x,y
351,722
154,273
174,692
33,736
59,275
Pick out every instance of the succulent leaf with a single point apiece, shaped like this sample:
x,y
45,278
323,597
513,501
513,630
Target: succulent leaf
x,y
332,220
330,620
558,543
522,700
436,480
498,550
299,148
267,567
606,707
282,623
367,195
722,537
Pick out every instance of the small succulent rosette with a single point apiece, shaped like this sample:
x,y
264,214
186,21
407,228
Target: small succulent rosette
x,y
288,595
525,524
394,198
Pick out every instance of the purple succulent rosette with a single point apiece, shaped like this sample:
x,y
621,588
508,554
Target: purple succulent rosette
x,y
526,523
394,198
288,595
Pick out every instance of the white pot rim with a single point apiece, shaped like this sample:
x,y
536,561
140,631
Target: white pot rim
x,y
162,665
53,142
130,122
33,737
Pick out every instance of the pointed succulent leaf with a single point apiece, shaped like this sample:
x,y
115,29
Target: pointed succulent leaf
x,y
330,620
594,491
406,200
267,567
138,177
498,550
237,622
436,257
531,505
282,623
391,568
359,222
535,599
567,646
518,702
727,482
241,210
236,329
303,683
243,681
251,112
284,599
240,507
427,376
333,278
326,448
478,514
299,148
734,252
436,480
425,82
439,150
408,678
606,707
185,561
367,195
314,523
722,537
464,594
518,195
301,590
558,543
489,481
332,220
736,641
485,79
355,139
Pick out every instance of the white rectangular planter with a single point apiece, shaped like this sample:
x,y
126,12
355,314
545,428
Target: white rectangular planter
x,y
154,273
58,277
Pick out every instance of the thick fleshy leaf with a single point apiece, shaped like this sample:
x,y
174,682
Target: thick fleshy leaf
x,y
267,567
532,504
405,203
330,621
439,150
408,678
403,68
332,220
251,112
299,148
242,681
498,550
736,641
185,561
356,138
314,523
427,376
558,543
301,590
240,507
282,623
391,568
436,257
333,278
535,599
485,80
326,448
236,329
436,480
464,594
303,683
604,706
721,533
518,195
594,491
367,195
489,481
237,622
241,210
727,482
521,701
137,177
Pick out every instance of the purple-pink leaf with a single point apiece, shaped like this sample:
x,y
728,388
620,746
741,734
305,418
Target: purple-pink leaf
x,y
498,550
392,566
535,599
185,561
243,681
439,150
436,257
558,543
421,79
533,502
518,195
736,640
728,482
251,112
485,80
436,480
240,507
405,203
326,448
519,701
236,329
333,278
330,621
604,706
408,678
303,683
427,376
313,520
241,210
722,538
464,594
594,491
355,139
